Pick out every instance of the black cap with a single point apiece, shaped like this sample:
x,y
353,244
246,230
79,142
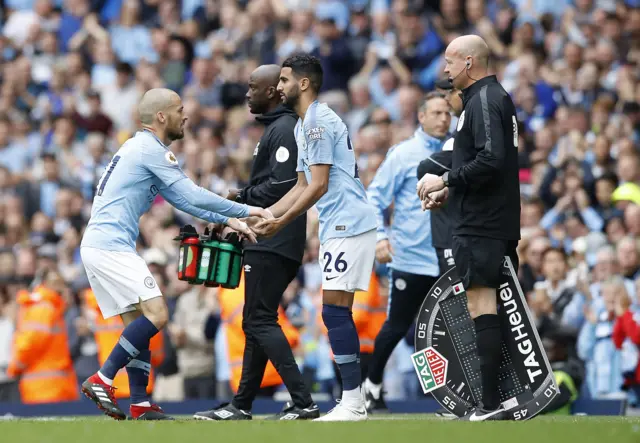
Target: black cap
x,y
444,83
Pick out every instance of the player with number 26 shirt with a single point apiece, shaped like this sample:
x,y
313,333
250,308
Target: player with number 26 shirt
x,y
328,178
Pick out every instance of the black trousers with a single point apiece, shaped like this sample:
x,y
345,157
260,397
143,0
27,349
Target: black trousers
x,y
267,275
406,294
445,259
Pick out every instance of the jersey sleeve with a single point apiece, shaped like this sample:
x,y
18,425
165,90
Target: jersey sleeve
x,y
385,186
318,133
162,163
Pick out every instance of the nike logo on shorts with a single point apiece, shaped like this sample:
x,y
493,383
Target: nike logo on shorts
x,y
331,278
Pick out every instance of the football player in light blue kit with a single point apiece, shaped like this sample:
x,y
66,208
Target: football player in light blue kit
x,y
123,285
407,244
328,178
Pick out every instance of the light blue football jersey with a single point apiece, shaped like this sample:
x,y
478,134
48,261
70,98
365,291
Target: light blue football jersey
x,y
323,138
142,168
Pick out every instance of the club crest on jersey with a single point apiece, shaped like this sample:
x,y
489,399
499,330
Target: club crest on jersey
x,y
431,368
315,133
460,122
171,158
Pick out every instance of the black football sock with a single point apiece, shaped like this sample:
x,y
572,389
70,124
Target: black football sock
x,y
489,338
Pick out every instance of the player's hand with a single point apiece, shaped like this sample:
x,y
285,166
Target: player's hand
x,y
260,212
384,251
252,221
242,228
428,184
233,194
268,228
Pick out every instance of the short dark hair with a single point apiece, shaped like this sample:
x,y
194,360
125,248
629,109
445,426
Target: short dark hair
x,y
431,96
304,65
551,250
610,177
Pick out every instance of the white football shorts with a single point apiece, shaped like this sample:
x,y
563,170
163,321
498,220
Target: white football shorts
x,y
119,280
347,262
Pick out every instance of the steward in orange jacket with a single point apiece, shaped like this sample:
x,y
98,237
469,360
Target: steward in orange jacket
x,y
41,356
369,314
106,334
231,305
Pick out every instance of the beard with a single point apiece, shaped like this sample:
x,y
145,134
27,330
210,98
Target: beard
x,y
293,97
175,134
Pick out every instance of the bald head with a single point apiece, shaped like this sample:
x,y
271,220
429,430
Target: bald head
x,y
470,54
161,110
263,95
266,75
154,101
471,45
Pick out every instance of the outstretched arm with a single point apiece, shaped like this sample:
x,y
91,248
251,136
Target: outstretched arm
x,y
280,207
178,201
298,204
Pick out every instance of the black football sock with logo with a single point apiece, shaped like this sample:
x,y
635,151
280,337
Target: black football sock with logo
x,y
489,337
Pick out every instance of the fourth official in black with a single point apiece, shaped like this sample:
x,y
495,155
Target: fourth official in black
x,y
271,264
483,193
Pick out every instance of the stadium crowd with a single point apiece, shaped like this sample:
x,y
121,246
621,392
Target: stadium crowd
x,y
72,72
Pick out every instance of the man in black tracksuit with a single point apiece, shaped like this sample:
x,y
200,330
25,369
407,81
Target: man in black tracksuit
x,y
271,264
484,197
437,164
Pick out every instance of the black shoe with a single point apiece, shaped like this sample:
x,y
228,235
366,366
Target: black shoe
x,y
374,405
481,414
103,396
445,413
225,411
153,412
292,412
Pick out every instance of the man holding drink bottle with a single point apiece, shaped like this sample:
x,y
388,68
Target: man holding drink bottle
x,y
271,264
141,169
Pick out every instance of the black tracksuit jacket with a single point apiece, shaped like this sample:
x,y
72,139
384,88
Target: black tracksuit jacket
x,y
484,187
273,174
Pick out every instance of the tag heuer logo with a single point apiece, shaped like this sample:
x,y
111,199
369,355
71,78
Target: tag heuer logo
x,y
431,367
458,288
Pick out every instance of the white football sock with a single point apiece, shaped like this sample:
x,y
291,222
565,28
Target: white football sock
x,y
144,403
107,381
353,398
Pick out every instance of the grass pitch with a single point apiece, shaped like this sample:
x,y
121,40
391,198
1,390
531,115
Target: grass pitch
x,y
389,429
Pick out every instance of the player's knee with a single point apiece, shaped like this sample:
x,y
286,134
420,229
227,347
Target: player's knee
x,y
481,301
156,311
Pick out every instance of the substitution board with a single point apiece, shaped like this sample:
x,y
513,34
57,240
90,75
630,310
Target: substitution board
x,y
446,357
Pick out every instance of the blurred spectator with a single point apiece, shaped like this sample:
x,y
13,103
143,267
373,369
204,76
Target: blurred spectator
x,y
8,386
595,346
187,332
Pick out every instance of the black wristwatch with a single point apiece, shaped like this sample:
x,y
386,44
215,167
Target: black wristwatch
x,y
445,179
240,196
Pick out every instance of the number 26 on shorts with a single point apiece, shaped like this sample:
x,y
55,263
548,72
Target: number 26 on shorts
x,y
339,263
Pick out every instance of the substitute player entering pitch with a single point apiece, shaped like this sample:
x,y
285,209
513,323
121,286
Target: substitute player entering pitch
x,y
484,197
328,177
